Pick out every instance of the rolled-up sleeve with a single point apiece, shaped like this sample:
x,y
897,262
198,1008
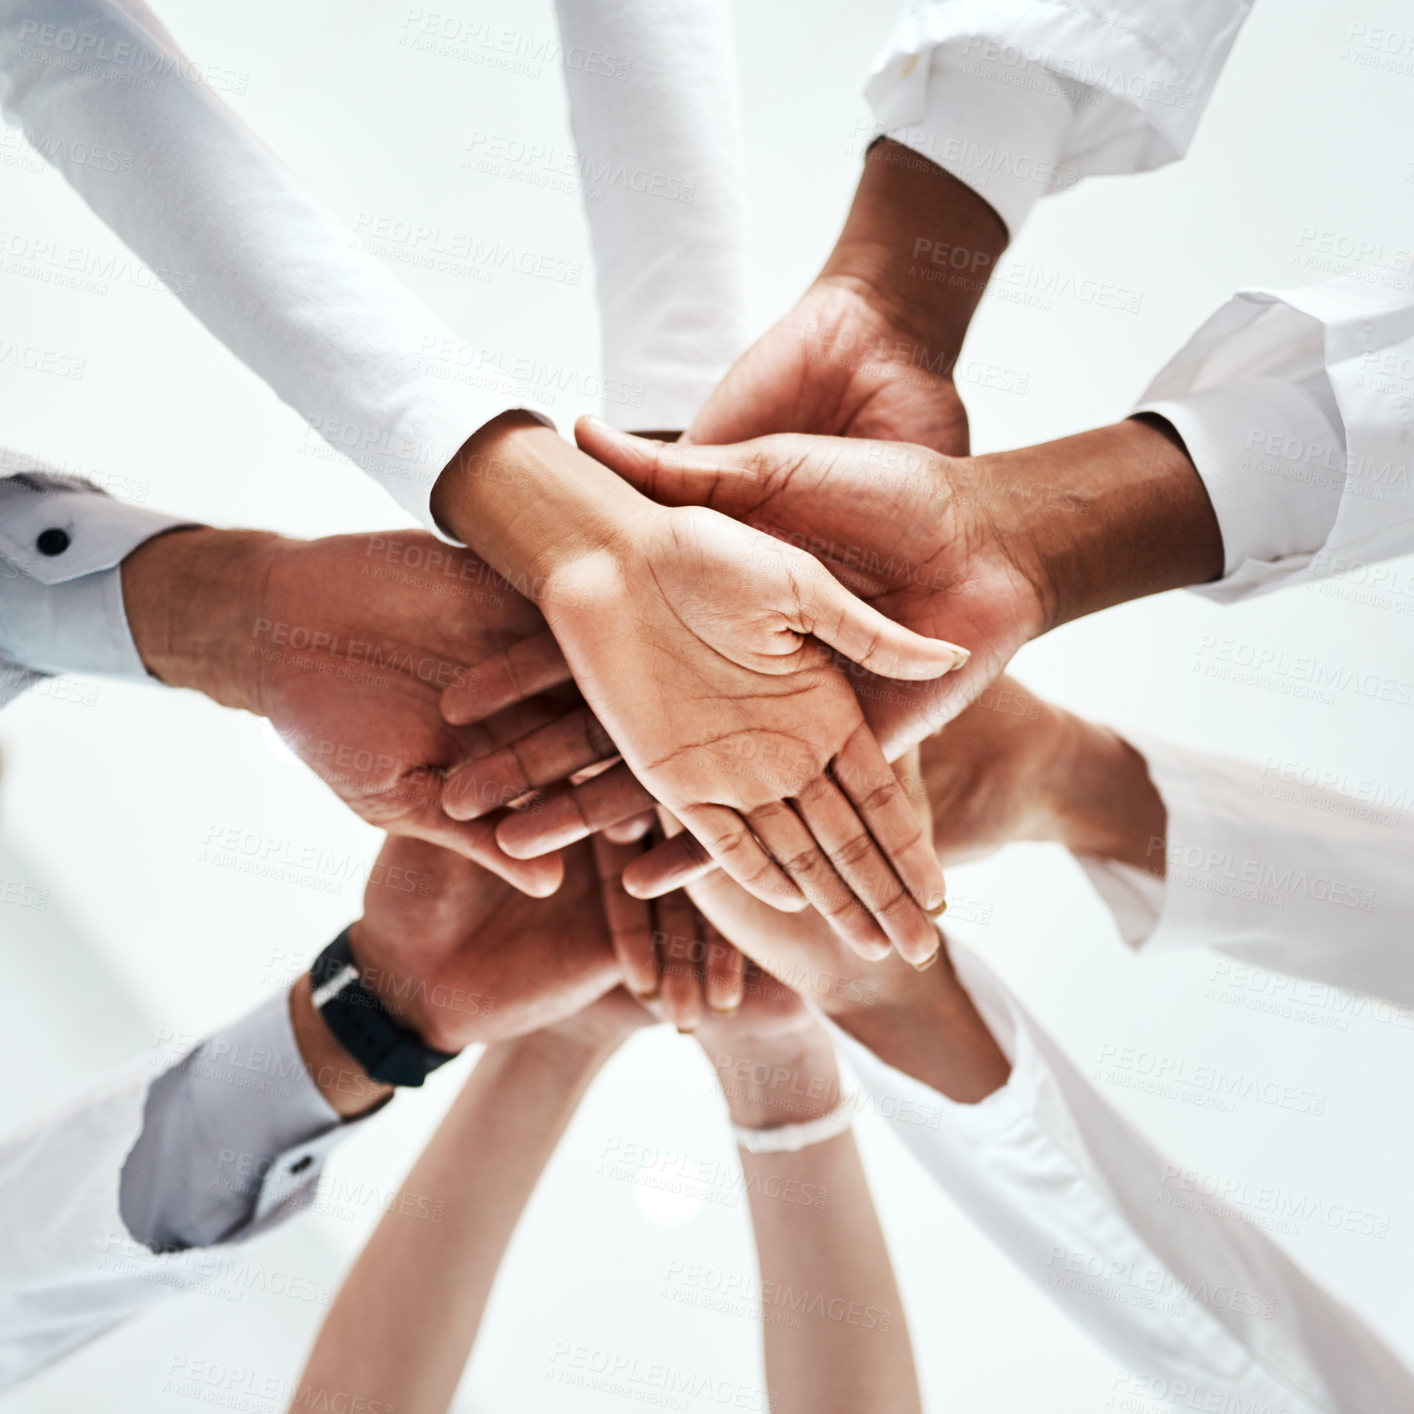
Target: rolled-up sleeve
x,y
1019,98
1276,866
1295,408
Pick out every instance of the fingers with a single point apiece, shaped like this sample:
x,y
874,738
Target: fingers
x,y
669,865
510,676
631,829
725,837
723,973
862,634
896,824
630,919
865,873
728,479
783,832
678,936
606,801
539,758
476,840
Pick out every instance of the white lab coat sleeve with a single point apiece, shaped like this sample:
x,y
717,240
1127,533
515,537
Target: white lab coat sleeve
x,y
61,590
656,117
1276,866
1295,408
1175,1284
71,1266
1019,98
235,236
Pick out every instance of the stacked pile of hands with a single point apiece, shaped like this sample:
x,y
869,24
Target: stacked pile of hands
x,y
702,664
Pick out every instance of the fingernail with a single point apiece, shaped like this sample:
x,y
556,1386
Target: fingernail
x,y
686,1030
725,1010
643,998
927,962
937,907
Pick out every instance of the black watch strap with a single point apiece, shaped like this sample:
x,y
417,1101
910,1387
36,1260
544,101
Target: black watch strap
x,y
363,1026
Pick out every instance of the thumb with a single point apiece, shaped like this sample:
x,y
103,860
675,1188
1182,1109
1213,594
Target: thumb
x,y
728,479
864,635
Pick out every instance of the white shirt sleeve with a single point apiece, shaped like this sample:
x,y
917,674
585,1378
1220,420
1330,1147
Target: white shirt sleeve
x,y
70,1266
1294,406
656,118
61,591
1169,1278
1277,868
1018,98
235,236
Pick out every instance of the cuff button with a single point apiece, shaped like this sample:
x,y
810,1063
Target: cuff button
x,y
52,542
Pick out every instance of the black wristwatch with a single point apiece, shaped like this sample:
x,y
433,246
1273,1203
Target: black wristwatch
x,y
363,1026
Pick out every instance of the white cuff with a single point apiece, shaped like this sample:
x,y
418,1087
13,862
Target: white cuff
x,y
1273,466
1002,137
62,611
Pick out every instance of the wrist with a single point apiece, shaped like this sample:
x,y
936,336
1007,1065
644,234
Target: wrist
x,y
530,504
1103,801
776,1081
192,597
566,1054
1103,517
345,1085
928,1026
922,243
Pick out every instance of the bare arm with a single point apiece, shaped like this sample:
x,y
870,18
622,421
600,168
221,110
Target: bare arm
x,y
402,1326
835,1335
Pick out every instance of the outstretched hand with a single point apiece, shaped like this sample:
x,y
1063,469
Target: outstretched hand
x,y
702,645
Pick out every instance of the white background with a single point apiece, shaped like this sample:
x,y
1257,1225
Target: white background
x,y
109,801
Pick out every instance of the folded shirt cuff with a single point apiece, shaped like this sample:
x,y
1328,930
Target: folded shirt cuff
x,y
463,389
1273,465
1003,136
216,1127
61,603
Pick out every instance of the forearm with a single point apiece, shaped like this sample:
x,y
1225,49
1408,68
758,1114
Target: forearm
x,y
821,1250
1100,518
402,1326
923,243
